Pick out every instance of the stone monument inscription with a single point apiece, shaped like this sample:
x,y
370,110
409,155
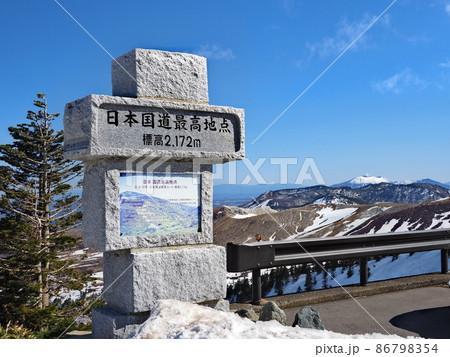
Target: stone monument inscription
x,y
126,126
167,128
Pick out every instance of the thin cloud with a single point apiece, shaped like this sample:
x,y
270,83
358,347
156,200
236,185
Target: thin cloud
x,y
398,82
447,9
346,32
445,64
290,7
418,39
213,51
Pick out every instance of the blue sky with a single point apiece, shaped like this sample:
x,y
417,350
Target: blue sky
x,y
383,108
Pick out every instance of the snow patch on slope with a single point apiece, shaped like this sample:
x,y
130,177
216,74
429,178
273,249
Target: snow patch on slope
x,y
441,221
242,216
327,216
356,223
332,201
388,226
262,204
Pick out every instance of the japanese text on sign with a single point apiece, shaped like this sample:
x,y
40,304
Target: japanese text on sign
x,y
168,121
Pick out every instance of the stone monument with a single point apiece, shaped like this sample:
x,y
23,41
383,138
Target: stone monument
x,y
148,152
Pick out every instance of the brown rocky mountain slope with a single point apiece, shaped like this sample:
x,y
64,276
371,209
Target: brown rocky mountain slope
x,y
238,225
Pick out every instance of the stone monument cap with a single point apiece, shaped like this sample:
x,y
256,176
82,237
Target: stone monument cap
x,y
160,75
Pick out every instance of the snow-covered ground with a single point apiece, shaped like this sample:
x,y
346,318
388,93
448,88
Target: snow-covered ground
x,y
326,200
386,268
83,259
356,223
327,216
440,221
90,289
259,205
387,227
242,216
176,319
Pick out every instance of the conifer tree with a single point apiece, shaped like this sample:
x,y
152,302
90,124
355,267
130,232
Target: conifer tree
x,y
325,276
308,280
279,286
37,210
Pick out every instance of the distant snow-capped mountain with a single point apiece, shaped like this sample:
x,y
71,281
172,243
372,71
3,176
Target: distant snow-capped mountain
x,y
361,181
426,180
365,180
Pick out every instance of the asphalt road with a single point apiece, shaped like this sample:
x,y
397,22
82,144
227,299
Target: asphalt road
x,y
423,312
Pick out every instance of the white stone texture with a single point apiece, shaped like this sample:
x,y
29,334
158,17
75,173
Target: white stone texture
x,y
154,74
108,323
134,281
89,134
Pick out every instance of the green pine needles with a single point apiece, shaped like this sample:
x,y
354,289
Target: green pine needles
x,y
38,210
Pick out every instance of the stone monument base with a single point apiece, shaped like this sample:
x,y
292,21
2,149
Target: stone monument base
x,y
111,324
136,279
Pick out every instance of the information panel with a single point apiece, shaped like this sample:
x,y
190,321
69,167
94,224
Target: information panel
x,y
159,204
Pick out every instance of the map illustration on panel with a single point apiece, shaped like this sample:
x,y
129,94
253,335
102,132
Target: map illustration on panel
x,y
159,204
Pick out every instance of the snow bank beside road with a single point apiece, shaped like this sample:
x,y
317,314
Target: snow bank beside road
x,y
176,319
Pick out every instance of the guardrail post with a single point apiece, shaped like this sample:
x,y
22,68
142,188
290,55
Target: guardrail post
x,y
444,261
363,271
256,286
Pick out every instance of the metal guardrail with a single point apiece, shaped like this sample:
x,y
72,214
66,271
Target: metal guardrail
x,y
261,255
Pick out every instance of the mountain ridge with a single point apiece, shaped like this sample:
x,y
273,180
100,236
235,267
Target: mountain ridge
x,y
240,194
367,194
